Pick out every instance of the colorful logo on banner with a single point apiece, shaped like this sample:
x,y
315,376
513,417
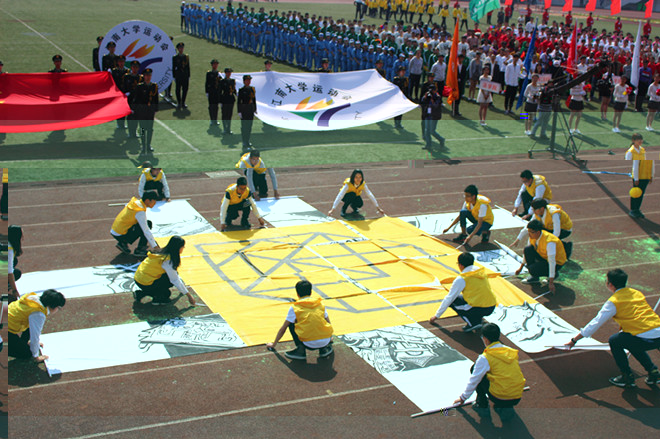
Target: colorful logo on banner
x,y
142,41
310,111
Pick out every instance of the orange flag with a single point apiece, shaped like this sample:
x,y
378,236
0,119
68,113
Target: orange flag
x,y
452,68
649,9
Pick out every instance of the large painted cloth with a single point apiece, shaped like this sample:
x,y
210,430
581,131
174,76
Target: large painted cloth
x,y
326,101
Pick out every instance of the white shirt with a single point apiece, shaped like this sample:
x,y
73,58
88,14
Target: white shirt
x,y
532,93
225,205
143,181
456,288
313,344
556,225
653,93
607,312
577,92
36,322
538,194
174,277
618,93
439,71
481,368
512,73
635,167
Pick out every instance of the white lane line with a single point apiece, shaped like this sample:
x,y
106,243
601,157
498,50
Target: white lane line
x,y
232,412
68,55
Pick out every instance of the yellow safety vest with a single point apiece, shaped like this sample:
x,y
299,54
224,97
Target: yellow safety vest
x,y
505,377
633,313
234,197
20,310
645,166
564,220
539,180
542,246
477,291
353,188
444,12
310,319
126,218
149,177
150,269
481,200
259,169
5,175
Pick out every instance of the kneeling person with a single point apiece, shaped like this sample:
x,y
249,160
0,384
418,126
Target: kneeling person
x,y
255,171
158,272
544,256
238,198
132,224
496,376
308,323
554,219
153,179
470,294
476,208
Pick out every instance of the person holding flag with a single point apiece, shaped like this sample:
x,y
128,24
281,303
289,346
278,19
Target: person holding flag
x,y
527,66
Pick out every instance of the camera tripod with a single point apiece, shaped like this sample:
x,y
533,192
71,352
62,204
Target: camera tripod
x,y
571,149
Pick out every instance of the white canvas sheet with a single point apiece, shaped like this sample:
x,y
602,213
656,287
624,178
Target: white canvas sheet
x,y
177,217
434,224
81,282
502,260
107,346
534,328
423,367
290,211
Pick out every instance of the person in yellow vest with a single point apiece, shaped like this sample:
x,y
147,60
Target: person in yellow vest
x,y
642,173
153,179
158,273
444,14
470,295
308,323
476,208
640,329
238,198
4,201
554,219
534,187
496,376
456,13
131,224
255,171
27,316
351,195
544,256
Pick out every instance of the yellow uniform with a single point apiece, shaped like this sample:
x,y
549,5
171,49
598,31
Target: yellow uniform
x,y
20,310
244,162
477,291
126,218
234,197
353,188
645,171
539,180
150,269
474,209
505,377
310,319
149,177
564,219
633,313
542,246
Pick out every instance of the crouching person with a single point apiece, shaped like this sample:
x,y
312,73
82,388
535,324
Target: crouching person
x,y
308,323
496,376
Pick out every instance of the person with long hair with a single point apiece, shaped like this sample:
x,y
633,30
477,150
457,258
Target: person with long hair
x,y
654,101
605,87
532,93
351,195
576,105
15,238
158,272
620,101
484,97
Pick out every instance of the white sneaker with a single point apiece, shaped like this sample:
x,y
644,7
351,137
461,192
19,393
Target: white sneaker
x,y
571,131
482,123
616,130
649,129
528,133
576,131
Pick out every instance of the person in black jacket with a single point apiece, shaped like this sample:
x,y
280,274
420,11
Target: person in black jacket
x,y
247,107
181,71
401,81
146,102
109,59
118,74
131,81
227,99
212,89
462,78
431,104
95,54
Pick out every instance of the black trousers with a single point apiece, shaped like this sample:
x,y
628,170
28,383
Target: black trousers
x,y
483,395
536,265
155,186
181,91
132,122
526,199
636,203
159,289
246,130
414,86
146,132
351,199
233,211
4,201
213,110
227,110
18,346
260,184
133,234
473,315
510,96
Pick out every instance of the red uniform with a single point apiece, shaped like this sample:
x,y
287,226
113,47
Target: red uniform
x,y
617,25
647,29
546,17
569,19
590,21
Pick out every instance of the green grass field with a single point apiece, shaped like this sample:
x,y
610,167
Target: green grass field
x,y
32,31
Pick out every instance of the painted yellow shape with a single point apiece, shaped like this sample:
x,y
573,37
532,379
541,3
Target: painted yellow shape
x,y
353,254
385,228
415,246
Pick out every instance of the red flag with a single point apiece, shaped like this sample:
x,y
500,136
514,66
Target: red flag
x,y
568,6
591,5
649,9
32,102
615,7
508,2
548,3
452,67
572,54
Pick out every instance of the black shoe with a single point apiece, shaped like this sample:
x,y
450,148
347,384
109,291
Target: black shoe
x,y
123,247
653,378
485,237
299,353
635,214
568,247
138,295
246,225
470,328
140,252
482,409
325,351
460,239
624,380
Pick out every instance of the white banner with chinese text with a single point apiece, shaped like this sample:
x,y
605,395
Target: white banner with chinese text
x,y
326,101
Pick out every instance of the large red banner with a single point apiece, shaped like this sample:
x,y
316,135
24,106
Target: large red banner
x,y
32,102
